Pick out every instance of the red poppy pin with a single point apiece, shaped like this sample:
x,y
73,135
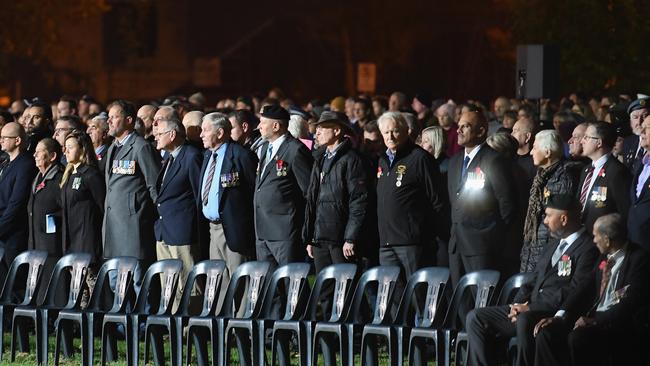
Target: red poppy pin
x,y
565,257
601,173
602,265
40,186
379,171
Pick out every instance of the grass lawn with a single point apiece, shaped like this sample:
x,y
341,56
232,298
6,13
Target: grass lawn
x,y
30,358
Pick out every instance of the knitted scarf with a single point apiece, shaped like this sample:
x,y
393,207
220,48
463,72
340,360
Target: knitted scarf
x,y
536,202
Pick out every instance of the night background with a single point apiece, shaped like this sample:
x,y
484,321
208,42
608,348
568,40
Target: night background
x,y
141,50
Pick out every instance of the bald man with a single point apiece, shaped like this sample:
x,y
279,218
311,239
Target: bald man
x,y
146,114
16,176
192,123
524,131
483,201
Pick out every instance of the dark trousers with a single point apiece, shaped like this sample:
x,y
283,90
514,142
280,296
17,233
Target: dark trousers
x,y
594,345
460,264
551,344
489,328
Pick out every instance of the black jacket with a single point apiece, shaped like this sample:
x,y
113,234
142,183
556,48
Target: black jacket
x,y
82,199
633,309
616,179
549,291
44,200
481,213
638,222
281,188
411,210
337,198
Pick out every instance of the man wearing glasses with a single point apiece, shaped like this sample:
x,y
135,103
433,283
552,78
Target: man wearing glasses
x,y
605,184
16,176
178,187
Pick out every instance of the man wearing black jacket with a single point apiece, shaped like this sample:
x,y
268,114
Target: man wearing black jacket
x,y
616,307
337,195
411,209
563,270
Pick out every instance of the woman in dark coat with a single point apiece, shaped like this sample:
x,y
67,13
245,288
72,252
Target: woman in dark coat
x,y
82,197
44,207
434,140
553,177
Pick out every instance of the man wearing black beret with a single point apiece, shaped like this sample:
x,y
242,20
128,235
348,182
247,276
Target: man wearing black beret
x,y
562,273
632,150
280,189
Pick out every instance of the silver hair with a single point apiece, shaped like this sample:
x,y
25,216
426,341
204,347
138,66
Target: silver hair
x,y
550,140
298,127
174,124
219,120
397,117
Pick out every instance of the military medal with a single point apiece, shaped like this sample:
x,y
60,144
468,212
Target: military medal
x,y
599,196
401,170
76,183
564,266
229,179
378,172
475,179
280,168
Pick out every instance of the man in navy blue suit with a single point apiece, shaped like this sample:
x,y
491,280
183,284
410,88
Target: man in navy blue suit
x,y
16,176
226,198
178,186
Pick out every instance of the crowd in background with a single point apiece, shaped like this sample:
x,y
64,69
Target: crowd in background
x,y
512,185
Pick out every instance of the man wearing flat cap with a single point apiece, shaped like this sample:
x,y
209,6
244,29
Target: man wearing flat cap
x,y
280,189
563,272
337,196
632,150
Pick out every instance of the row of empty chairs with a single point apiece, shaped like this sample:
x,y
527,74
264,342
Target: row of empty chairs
x,y
258,301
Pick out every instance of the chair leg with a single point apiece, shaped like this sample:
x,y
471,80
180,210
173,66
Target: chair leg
x,y
2,331
14,325
147,337
216,355
89,341
44,338
57,343
172,345
188,352
178,326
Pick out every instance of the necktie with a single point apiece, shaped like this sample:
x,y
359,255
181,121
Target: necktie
x,y
267,158
464,170
639,154
208,182
558,252
607,274
168,164
585,186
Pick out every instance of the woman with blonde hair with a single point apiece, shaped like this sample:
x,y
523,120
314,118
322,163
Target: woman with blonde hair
x,y
433,140
82,198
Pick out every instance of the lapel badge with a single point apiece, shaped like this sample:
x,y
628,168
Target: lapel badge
x,y
564,266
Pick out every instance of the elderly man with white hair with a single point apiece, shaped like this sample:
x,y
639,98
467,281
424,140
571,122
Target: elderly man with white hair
x,y
412,209
553,177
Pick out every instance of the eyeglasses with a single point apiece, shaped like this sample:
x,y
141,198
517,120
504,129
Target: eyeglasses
x,y
162,133
7,137
590,137
62,129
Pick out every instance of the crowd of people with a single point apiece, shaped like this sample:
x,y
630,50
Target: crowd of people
x,y
560,189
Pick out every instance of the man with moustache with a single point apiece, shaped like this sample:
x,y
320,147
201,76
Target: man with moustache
x,y
483,200
633,152
564,270
36,120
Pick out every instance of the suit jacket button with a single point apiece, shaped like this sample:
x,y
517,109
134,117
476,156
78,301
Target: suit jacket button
x,y
541,290
160,217
258,190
